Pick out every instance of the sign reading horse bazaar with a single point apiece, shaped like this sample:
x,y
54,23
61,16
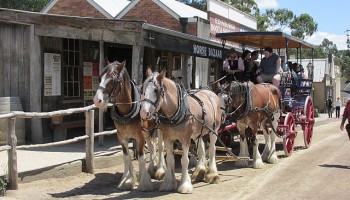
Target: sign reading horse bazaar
x,y
204,51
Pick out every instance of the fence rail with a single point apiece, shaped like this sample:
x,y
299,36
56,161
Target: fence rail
x,y
12,147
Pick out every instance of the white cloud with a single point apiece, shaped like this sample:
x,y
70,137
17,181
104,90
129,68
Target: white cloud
x,y
266,4
317,38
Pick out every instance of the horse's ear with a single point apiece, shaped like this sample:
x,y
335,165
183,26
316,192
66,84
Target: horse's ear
x,y
227,87
217,86
148,71
161,75
120,66
107,61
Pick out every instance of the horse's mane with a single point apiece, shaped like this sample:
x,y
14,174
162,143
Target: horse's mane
x,y
107,67
238,88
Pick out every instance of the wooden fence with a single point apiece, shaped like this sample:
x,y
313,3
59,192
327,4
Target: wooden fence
x,y
12,147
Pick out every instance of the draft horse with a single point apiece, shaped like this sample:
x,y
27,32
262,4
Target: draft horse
x,y
183,116
117,87
255,106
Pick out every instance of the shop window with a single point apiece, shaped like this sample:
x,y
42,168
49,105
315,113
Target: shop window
x,y
71,68
177,62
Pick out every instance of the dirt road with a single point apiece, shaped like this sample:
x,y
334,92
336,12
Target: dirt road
x,y
319,172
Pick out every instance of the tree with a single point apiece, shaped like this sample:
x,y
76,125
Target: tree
x,y
282,18
302,26
247,6
29,5
199,4
329,47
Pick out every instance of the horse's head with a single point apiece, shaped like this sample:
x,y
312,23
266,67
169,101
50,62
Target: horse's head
x,y
112,81
232,97
153,94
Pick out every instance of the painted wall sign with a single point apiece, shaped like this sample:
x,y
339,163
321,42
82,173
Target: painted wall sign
x,y
52,74
204,51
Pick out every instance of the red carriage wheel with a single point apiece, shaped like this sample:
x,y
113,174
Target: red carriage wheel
x,y
290,134
308,125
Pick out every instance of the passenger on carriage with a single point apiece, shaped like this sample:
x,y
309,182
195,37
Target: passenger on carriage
x,y
301,74
234,66
269,68
253,66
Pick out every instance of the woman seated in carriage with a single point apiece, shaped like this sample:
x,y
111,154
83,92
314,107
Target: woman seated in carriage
x,y
236,67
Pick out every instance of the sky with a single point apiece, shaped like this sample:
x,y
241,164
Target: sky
x,y
332,17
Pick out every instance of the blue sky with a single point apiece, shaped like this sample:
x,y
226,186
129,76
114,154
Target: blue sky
x,y
332,17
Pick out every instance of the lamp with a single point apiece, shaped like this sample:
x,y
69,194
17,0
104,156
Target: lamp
x,y
223,42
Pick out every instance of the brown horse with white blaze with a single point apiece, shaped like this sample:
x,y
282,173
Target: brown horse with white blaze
x,y
183,116
255,106
117,87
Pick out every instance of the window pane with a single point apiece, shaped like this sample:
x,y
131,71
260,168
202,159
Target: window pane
x,y
76,89
70,90
76,58
65,57
76,48
71,44
65,91
76,74
71,59
65,44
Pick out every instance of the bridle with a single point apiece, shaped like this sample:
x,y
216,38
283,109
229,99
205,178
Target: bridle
x,y
116,78
159,94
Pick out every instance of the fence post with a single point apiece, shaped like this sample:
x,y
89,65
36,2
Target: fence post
x,y
89,128
12,154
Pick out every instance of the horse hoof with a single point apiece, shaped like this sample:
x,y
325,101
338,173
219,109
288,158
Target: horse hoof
x,y
185,189
213,179
160,174
126,186
273,160
152,171
166,187
258,165
198,174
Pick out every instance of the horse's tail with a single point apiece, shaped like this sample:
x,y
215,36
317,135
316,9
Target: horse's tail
x,y
277,92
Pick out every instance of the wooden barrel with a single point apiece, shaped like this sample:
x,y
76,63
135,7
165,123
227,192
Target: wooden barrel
x,y
8,104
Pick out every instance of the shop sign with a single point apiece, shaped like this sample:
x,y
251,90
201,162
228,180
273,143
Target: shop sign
x,y
204,51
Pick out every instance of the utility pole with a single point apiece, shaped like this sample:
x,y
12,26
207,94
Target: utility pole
x,y
347,39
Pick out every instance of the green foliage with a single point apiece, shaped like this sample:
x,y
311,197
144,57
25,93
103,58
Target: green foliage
x,y
29,5
303,25
3,183
199,4
247,6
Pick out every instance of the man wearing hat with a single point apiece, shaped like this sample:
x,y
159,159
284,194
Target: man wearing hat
x,y
346,116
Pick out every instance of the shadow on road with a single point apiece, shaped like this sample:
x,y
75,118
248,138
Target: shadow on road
x,y
335,166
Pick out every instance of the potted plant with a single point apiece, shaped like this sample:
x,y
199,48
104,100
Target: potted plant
x,y
3,185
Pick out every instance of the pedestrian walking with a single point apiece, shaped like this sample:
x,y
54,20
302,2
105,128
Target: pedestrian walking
x,y
346,116
329,104
337,108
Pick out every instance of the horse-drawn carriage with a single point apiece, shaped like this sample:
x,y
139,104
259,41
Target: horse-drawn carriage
x,y
297,106
185,116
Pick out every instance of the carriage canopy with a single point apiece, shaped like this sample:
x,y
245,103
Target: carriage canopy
x,y
265,39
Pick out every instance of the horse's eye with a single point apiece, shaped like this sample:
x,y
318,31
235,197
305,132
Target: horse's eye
x,y
156,90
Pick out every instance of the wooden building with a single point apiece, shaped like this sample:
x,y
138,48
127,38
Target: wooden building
x,y
52,62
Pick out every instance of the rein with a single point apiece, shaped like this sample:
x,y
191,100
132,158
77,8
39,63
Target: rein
x,y
248,101
133,115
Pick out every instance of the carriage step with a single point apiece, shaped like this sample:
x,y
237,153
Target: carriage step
x,y
231,158
223,148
